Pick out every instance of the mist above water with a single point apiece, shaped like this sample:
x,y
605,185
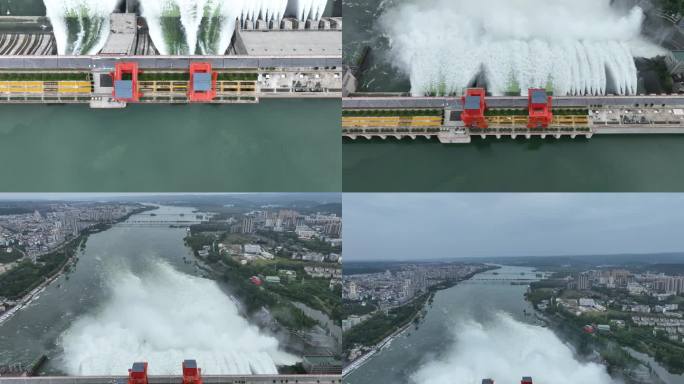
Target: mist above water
x,y
506,350
163,316
574,47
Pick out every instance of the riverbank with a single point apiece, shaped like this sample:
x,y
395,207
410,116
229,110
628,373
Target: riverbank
x,y
403,325
353,365
57,262
614,342
276,293
32,292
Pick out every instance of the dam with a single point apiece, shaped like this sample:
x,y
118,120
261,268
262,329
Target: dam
x,y
191,374
456,120
250,52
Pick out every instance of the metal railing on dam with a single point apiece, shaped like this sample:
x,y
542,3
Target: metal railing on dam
x,y
166,62
398,102
403,117
207,379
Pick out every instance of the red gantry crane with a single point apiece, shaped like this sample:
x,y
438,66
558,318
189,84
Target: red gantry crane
x,y
138,374
540,109
191,374
202,83
474,107
125,78
525,380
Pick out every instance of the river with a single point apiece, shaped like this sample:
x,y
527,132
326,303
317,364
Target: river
x,y
604,163
136,294
601,164
480,328
273,146
476,298
22,8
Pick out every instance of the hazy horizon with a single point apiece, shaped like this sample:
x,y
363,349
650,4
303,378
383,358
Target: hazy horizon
x,y
88,196
440,227
484,258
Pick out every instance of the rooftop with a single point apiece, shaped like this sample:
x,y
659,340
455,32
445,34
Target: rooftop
x,y
201,81
472,102
289,43
123,89
539,97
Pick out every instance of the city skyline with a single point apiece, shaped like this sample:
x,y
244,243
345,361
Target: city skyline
x,y
526,225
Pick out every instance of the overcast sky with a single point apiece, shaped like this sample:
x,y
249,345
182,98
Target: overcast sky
x,y
429,226
72,196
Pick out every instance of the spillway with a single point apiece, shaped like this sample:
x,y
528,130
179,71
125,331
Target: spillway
x,y
264,9
80,26
572,47
310,9
162,316
207,26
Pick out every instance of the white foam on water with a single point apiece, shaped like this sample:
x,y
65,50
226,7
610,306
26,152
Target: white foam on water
x,y
576,47
164,317
505,351
96,10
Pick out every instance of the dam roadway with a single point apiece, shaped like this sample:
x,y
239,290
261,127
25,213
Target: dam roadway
x,y
165,62
239,79
390,102
396,116
152,379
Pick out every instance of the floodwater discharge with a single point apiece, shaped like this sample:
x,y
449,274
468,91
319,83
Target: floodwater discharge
x,y
81,27
133,295
206,26
572,47
480,328
176,26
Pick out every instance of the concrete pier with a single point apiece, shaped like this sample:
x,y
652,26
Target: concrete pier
x,y
122,36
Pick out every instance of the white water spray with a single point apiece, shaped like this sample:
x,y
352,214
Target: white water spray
x,y
208,36
505,351
162,14
310,9
80,26
575,47
163,318
264,9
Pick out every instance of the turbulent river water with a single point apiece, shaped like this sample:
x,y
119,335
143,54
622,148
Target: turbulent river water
x,y
443,46
135,295
480,328
176,26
